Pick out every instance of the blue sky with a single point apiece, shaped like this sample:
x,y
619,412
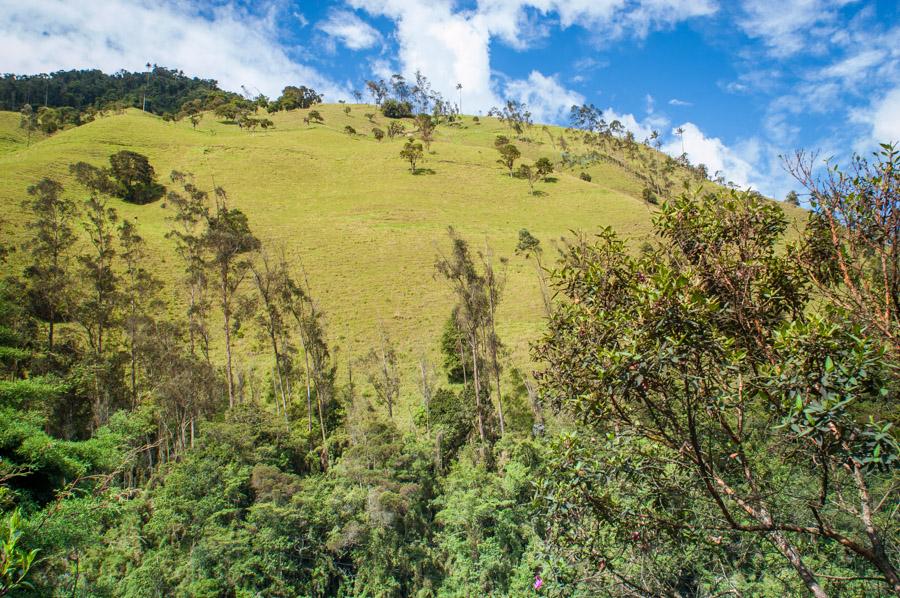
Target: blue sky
x,y
747,80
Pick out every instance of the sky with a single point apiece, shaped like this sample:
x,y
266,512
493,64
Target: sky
x,y
746,80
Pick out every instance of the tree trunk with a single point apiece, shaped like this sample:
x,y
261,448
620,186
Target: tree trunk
x,y
473,342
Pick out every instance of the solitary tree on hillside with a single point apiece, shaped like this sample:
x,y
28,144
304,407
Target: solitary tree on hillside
x,y
412,152
28,122
52,238
508,156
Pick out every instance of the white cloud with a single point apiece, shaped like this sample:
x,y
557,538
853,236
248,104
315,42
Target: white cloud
x,y
736,165
790,26
352,31
452,46
882,119
229,45
677,102
548,101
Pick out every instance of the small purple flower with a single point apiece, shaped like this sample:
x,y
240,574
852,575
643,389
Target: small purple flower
x,y
538,582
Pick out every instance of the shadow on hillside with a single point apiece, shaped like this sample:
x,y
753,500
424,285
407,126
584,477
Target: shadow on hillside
x,y
419,171
539,193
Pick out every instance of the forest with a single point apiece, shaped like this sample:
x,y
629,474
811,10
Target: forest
x,y
709,412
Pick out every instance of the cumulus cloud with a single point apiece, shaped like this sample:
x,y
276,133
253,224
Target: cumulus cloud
x,y
736,166
451,45
882,119
350,30
548,101
224,42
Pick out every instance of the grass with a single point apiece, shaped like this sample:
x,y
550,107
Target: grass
x,y
348,210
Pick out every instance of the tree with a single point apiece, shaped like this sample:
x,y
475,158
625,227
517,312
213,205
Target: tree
x,y
349,130
97,312
28,122
384,375
530,173
508,156
51,241
195,120
378,134
396,109
139,294
792,198
849,249
136,177
395,129
130,176
293,98
228,240
470,312
543,167
425,124
270,278
587,117
191,213
412,152
706,368
314,117
529,246
514,114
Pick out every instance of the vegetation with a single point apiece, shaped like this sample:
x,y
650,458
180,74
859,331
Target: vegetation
x,y
193,401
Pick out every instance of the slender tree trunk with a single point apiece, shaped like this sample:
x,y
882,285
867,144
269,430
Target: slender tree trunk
x,y
881,560
480,418
426,396
226,312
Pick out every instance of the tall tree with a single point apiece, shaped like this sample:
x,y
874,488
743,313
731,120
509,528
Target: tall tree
x,y
52,239
383,373
471,308
493,285
229,241
191,214
140,296
269,277
97,312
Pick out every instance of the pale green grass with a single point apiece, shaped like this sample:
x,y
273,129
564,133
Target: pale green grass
x,y
366,230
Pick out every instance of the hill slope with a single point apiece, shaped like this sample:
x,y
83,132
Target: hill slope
x,y
366,230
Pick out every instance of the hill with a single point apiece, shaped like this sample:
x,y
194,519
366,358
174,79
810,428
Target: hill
x,y
348,210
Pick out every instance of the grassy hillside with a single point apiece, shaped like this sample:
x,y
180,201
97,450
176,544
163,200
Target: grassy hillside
x,y
347,208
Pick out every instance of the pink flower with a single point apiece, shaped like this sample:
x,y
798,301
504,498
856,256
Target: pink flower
x,y
538,582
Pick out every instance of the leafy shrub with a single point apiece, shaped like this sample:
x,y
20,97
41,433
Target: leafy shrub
x,y
396,109
585,177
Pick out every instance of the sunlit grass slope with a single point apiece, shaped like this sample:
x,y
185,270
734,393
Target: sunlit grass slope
x,y
347,208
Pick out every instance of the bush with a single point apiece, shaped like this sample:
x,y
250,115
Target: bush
x,y
378,133
585,177
349,130
648,196
396,109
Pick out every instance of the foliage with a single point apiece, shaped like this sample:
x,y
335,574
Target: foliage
x,y
396,109
15,563
754,417
412,152
293,98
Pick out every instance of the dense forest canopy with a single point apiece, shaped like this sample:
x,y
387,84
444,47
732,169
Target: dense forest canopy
x,y
712,409
165,90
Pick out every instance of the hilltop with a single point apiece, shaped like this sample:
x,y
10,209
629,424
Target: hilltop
x,y
347,210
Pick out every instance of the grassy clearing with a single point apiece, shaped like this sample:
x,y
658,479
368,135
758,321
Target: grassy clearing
x,y
347,208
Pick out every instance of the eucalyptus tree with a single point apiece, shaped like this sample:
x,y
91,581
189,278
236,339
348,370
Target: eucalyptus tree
x,y
49,247
191,215
229,242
